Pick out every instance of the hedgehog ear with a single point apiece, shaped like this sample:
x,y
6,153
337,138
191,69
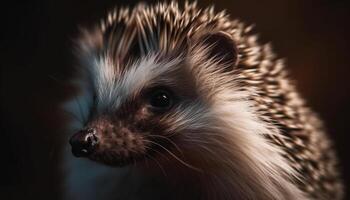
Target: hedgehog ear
x,y
221,48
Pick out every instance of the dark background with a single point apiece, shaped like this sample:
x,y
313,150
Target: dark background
x,y
36,62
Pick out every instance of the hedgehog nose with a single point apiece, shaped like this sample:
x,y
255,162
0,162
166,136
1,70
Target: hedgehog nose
x,y
84,142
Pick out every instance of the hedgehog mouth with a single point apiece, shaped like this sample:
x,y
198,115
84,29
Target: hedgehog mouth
x,y
117,157
114,159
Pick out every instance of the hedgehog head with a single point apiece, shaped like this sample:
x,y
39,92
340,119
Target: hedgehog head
x,y
149,91
166,81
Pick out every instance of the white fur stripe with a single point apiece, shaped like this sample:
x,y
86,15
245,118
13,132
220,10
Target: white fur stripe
x,y
113,87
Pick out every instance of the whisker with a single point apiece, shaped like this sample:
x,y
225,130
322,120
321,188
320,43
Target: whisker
x,y
197,141
159,165
158,152
177,158
169,140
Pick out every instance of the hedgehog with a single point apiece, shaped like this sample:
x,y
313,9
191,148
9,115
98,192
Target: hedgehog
x,y
185,103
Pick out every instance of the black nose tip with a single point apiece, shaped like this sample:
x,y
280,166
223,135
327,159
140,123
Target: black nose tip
x,y
84,142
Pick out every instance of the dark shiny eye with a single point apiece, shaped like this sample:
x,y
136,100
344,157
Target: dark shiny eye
x,y
161,100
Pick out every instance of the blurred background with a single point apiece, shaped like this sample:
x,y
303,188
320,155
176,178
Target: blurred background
x,y
37,60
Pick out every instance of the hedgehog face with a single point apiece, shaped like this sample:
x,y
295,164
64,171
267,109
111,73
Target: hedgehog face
x,y
135,120
148,104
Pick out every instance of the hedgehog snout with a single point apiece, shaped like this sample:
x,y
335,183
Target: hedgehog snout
x,y
84,142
